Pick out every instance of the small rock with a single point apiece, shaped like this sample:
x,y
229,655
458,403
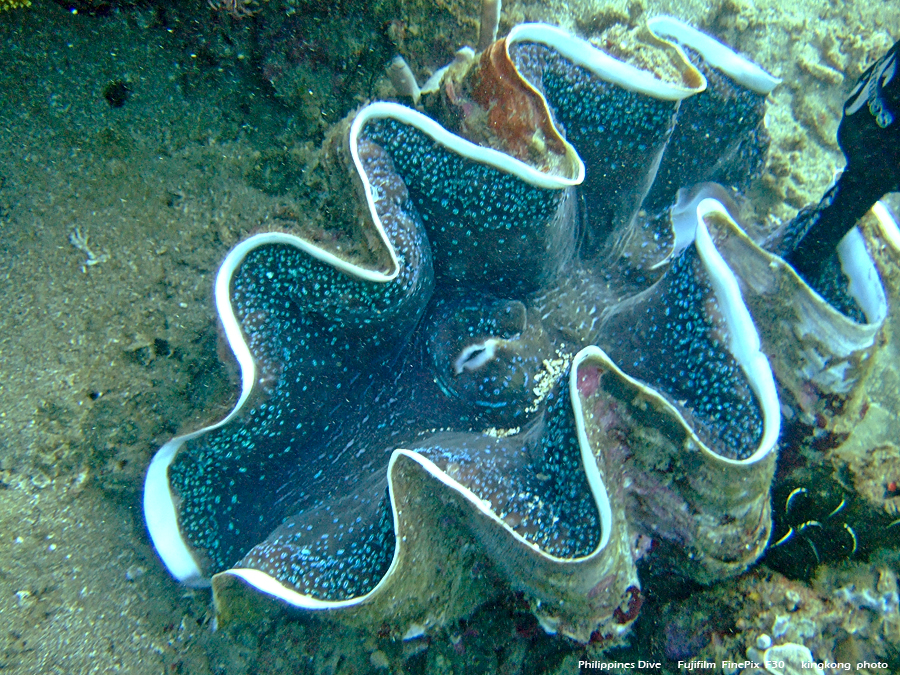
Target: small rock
x,y
379,660
797,660
780,626
134,573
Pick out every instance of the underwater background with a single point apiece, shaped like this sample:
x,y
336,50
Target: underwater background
x,y
141,140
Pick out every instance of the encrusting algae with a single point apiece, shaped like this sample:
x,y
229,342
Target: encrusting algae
x,y
13,4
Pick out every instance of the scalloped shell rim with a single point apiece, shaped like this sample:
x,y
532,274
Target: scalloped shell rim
x,y
718,55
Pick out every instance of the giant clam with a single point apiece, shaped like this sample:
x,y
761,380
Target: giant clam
x,y
538,334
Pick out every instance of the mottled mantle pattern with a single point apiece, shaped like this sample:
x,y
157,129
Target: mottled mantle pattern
x,y
527,357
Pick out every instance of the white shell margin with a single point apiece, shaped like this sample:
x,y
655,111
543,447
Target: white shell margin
x,y
864,283
609,69
718,55
744,342
160,513
456,144
887,225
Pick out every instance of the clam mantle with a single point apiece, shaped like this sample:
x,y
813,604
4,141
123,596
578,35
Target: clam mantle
x,y
540,339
